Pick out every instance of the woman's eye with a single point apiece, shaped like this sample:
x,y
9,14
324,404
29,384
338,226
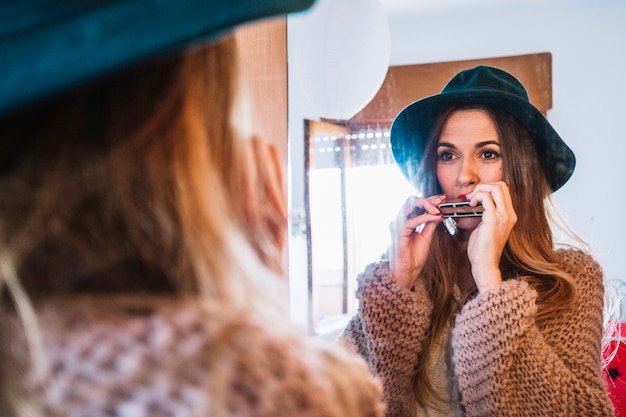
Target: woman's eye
x,y
446,156
489,154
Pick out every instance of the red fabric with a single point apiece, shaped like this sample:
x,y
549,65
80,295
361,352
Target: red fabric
x,y
615,371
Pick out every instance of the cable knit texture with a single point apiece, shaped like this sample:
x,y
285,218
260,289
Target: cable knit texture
x,y
504,363
388,331
181,362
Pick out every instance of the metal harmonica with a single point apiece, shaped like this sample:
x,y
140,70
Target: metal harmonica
x,y
460,209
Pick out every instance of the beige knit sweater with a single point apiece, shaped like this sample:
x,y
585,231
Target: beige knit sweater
x,y
126,359
503,363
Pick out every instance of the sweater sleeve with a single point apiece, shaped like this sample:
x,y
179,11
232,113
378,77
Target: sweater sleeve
x,y
388,331
508,365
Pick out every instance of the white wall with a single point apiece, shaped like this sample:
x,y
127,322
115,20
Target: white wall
x,y
587,39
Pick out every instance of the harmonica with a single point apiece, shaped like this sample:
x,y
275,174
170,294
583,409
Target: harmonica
x,y
460,209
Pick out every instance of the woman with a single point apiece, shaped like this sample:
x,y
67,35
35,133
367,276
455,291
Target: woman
x,y
130,204
480,315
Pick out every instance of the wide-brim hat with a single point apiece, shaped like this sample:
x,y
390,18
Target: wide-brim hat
x,y
480,85
47,47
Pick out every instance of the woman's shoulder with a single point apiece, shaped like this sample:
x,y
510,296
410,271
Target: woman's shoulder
x,y
576,261
291,374
585,271
266,369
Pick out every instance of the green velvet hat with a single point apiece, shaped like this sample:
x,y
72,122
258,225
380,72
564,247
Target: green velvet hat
x,y
50,46
480,85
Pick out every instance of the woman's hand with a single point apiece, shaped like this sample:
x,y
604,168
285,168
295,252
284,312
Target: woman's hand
x,y
263,201
487,241
411,233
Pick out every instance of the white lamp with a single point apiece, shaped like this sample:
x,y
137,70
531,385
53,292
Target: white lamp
x,y
342,51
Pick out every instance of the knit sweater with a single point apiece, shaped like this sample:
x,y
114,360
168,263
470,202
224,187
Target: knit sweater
x,y
503,362
174,359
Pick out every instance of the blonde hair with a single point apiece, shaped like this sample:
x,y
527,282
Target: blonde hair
x,y
135,185
529,252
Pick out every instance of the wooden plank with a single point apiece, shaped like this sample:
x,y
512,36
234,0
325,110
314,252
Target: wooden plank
x,y
405,84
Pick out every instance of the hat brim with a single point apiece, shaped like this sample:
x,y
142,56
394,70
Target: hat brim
x,y
48,48
412,126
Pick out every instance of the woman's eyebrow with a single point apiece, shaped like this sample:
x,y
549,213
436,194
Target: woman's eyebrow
x,y
478,145
446,145
487,142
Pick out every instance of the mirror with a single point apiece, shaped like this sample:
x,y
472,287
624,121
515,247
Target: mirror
x,y
585,39
346,160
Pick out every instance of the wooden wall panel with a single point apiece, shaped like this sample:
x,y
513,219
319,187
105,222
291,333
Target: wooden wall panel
x,y
407,83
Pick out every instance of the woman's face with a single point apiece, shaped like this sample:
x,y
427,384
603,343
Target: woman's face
x,y
468,153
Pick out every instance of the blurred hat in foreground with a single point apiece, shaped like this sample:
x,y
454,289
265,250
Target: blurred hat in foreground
x,y
50,46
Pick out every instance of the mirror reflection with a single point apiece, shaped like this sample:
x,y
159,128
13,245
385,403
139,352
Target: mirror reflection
x,y
576,84
584,40
337,199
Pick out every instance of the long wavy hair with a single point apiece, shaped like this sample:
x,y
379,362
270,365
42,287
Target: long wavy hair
x,y
134,185
529,251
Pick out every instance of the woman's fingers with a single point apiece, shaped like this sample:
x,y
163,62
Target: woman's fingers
x,y
488,240
270,171
417,211
494,197
411,233
264,205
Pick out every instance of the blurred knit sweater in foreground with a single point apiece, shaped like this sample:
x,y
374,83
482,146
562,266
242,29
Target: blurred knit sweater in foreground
x,y
497,361
172,359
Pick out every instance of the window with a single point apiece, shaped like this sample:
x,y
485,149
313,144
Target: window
x,y
355,189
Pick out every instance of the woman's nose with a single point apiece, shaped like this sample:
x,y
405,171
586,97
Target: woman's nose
x,y
468,174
